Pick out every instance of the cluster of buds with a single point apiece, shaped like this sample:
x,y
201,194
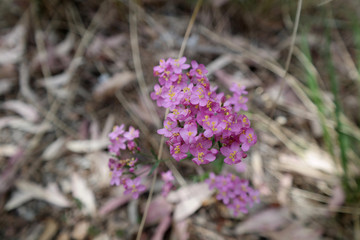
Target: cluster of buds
x,y
234,192
201,121
122,165
168,179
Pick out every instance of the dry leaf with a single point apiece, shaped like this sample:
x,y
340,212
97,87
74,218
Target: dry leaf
x,y
189,199
162,228
21,124
87,146
29,191
159,208
54,149
25,110
296,231
8,150
51,228
80,230
181,229
267,220
109,86
84,194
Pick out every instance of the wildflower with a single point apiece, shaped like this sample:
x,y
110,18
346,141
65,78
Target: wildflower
x,y
117,131
168,179
232,153
134,187
179,64
131,134
248,139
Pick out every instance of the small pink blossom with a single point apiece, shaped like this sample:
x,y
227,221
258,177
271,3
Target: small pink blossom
x,y
134,187
248,139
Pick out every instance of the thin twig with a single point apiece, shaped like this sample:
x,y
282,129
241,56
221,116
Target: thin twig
x,y
288,59
188,30
134,41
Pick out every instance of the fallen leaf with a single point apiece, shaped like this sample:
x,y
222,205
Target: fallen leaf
x,y
25,110
181,229
296,231
109,86
28,191
87,146
80,230
54,149
8,150
21,124
159,208
267,220
82,192
162,228
51,228
189,199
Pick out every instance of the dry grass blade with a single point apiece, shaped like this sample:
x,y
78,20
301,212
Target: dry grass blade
x,y
137,62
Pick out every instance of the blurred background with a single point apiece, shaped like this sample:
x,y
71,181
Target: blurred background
x,y
72,69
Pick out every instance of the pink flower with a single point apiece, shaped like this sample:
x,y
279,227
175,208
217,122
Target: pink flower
x,y
169,126
167,176
162,67
131,134
179,64
233,153
215,125
115,177
199,96
248,139
117,131
205,156
198,70
188,133
116,145
134,187
178,151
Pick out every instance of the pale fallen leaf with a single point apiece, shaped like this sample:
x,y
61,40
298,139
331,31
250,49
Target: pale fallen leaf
x,y
7,176
100,177
80,230
319,159
25,110
102,236
8,150
28,191
50,230
162,228
113,204
82,192
158,209
189,199
181,229
109,86
21,124
87,146
54,149
267,220
296,231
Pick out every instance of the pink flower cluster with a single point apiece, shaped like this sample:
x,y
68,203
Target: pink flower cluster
x,y
234,192
201,121
121,165
168,179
